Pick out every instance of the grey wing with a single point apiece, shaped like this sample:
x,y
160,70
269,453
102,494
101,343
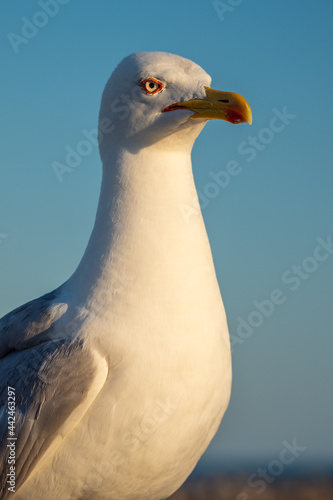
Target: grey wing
x,y
33,323
49,381
50,376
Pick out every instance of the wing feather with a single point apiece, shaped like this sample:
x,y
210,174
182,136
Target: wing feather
x,y
54,378
33,323
55,384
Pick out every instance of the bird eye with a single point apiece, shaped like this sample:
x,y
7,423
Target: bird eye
x,y
151,86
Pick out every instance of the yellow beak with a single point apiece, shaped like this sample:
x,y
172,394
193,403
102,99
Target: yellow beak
x,y
217,105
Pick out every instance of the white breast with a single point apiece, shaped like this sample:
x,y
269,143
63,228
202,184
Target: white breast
x,y
148,293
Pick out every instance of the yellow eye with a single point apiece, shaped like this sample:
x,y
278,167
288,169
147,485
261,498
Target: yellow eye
x,y
151,85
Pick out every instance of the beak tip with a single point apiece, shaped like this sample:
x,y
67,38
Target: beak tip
x,y
249,116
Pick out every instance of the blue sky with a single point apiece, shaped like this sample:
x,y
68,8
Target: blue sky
x,y
262,222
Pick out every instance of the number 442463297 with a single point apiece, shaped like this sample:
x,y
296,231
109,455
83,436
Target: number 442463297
x,y
11,410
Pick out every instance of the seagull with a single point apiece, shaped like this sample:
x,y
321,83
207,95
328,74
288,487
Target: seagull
x,y
113,385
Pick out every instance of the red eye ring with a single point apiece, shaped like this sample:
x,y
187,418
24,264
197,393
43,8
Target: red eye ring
x,y
151,86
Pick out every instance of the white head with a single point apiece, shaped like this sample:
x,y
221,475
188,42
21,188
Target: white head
x,y
151,97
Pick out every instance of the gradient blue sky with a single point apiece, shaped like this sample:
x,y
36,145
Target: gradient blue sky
x,y
267,219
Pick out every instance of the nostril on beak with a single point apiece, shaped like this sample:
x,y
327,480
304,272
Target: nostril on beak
x,y
226,101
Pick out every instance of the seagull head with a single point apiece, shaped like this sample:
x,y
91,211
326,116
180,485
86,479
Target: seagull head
x,y
164,99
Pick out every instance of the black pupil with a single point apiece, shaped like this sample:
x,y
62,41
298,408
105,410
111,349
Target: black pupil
x,y
152,85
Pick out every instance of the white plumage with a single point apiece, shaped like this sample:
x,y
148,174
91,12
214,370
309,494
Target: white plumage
x,y
124,373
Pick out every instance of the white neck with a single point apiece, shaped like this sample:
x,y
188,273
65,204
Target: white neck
x,y
148,229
